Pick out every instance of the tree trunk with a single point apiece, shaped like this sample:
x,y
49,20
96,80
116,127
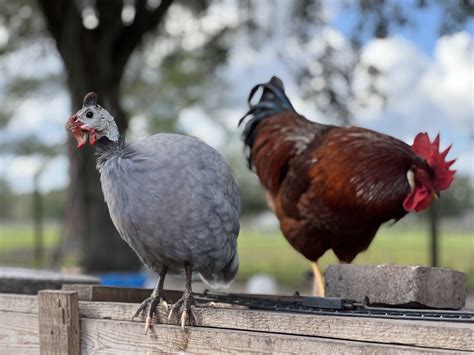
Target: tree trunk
x,y
94,61
38,218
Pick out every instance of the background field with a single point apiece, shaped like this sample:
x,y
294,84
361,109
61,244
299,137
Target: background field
x,y
269,253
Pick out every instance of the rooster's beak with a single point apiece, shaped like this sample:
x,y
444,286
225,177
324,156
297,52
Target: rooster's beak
x,y
435,195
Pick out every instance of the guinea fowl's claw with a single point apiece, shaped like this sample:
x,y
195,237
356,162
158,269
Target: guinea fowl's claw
x,y
165,304
184,319
183,307
151,303
142,306
148,324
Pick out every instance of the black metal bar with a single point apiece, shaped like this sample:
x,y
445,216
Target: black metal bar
x,y
334,307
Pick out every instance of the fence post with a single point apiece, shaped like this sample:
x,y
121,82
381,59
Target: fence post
x,y
58,315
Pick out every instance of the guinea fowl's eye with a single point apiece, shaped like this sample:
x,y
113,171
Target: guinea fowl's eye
x,y
89,114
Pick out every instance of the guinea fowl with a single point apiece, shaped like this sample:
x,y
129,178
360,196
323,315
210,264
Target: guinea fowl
x,y
332,187
172,198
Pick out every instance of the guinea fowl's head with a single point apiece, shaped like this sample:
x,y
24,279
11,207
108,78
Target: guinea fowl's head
x,y
92,122
427,181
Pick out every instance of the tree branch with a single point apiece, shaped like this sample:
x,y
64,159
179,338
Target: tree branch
x,y
110,20
145,20
56,13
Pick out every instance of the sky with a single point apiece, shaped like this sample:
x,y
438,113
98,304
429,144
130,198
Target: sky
x,y
428,82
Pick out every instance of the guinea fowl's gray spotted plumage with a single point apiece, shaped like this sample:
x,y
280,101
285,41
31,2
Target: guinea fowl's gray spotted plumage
x,y
173,200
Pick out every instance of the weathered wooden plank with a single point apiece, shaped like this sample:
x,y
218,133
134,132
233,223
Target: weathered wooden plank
x,y
455,336
119,337
136,295
117,294
18,333
10,302
58,314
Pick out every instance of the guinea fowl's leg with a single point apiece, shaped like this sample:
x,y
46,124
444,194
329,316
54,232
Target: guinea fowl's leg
x,y
318,283
183,305
153,301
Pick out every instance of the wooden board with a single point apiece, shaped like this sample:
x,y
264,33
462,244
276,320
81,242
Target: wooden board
x,y
418,333
18,333
119,337
117,294
443,335
137,295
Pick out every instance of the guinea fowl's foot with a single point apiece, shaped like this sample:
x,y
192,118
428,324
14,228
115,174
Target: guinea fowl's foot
x,y
183,307
150,303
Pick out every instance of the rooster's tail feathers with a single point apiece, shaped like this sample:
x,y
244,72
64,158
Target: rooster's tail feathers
x,y
272,102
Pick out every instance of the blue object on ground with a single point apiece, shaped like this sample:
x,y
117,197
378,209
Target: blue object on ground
x,y
123,279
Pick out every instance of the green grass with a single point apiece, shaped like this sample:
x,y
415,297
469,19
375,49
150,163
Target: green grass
x,y
17,243
14,237
270,253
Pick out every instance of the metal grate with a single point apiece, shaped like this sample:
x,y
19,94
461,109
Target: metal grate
x,y
334,307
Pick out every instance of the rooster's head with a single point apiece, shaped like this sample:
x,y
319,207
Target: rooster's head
x,y
426,182
92,122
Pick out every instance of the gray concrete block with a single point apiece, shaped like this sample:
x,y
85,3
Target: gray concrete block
x,y
398,285
30,281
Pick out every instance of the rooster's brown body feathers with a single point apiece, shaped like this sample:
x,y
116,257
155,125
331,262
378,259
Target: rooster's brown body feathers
x,y
331,187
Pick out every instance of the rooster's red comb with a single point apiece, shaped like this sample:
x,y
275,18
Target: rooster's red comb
x,y
443,177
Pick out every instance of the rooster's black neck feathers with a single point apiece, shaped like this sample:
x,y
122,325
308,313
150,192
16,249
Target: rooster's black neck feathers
x,y
272,102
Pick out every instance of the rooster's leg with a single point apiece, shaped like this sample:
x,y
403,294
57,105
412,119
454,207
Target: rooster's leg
x,y
318,283
153,301
183,305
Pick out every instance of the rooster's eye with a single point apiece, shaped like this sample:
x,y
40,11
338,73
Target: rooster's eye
x,y
89,114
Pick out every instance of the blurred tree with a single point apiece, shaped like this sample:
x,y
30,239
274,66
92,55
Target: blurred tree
x,y
6,199
458,198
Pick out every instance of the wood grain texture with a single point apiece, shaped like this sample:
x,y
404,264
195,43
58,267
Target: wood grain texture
x,y
117,294
58,313
18,303
121,337
455,336
443,335
18,333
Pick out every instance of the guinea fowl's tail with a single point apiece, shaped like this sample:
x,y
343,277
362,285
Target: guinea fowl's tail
x,y
223,278
272,102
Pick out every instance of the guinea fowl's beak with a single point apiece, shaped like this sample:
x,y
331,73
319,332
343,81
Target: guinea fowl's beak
x,y
75,126
71,122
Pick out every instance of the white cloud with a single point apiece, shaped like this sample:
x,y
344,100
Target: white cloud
x,y
195,122
433,94
449,82
40,115
38,59
20,171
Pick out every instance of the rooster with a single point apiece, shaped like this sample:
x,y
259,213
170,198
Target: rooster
x,y
332,187
173,200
